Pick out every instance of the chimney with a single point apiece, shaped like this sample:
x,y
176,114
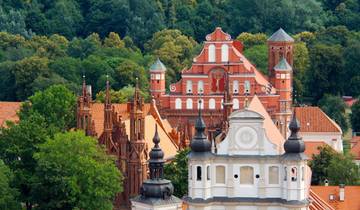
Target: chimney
x,y
342,192
326,182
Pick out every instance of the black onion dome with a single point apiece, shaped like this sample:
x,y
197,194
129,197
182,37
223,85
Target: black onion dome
x,y
156,186
200,143
294,143
156,153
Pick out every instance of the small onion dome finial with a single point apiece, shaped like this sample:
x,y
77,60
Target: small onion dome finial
x,y
200,143
294,144
156,153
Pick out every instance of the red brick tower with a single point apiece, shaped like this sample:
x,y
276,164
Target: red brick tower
x,y
280,45
137,167
83,116
280,49
157,79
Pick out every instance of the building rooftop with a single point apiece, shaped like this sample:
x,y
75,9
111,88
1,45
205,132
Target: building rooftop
x,y
351,201
8,112
313,119
157,66
282,65
280,36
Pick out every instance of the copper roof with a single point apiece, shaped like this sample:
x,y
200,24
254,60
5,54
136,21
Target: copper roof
x,y
313,119
8,112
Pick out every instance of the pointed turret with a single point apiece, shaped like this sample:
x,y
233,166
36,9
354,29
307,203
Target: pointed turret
x,y
158,66
156,190
280,36
157,79
283,65
200,143
294,144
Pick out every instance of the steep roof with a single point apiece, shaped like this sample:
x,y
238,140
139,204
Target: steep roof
x,y
272,132
313,119
157,66
283,65
351,201
8,112
167,144
280,36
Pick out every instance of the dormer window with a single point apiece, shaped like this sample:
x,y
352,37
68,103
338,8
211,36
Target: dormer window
x,y
224,53
212,53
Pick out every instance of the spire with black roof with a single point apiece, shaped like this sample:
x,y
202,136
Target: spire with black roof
x,y
294,144
200,143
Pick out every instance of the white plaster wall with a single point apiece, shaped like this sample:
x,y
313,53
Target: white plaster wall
x,y
326,137
143,206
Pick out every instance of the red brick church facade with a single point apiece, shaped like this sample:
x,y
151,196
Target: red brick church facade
x,y
222,79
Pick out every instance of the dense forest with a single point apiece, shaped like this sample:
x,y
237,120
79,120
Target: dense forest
x,y
46,42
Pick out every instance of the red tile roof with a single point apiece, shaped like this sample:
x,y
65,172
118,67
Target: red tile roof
x,y
355,147
313,119
8,112
311,148
351,202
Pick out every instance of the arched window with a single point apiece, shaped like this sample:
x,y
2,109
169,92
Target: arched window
x,y
212,103
198,173
247,87
246,175
236,104
273,175
303,173
235,87
200,87
222,103
189,103
224,53
188,86
285,173
178,103
200,105
293,174
208,173
211,53
220,174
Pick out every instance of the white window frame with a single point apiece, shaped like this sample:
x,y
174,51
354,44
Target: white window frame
x,y
212,104
211,53
178,103
224,53
189,103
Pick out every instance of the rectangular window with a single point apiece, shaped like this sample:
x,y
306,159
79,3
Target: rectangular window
x,y
273,175
208,173
198,173
246,175
220,174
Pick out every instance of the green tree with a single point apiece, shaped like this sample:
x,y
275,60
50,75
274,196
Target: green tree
x,y
335,108
258,55
26,71
174,49
123,95
74,172
300,67
114,40
355,116
56,104
326,72
18,143
7,194
249,39
177,172
342,170
127,72
334,167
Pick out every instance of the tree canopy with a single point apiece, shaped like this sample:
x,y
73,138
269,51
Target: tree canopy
x,y
74,172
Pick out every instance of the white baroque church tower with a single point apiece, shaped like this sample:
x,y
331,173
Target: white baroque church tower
x,y
248,170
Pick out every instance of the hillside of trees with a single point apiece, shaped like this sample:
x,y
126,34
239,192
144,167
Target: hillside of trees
x,y
46,42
